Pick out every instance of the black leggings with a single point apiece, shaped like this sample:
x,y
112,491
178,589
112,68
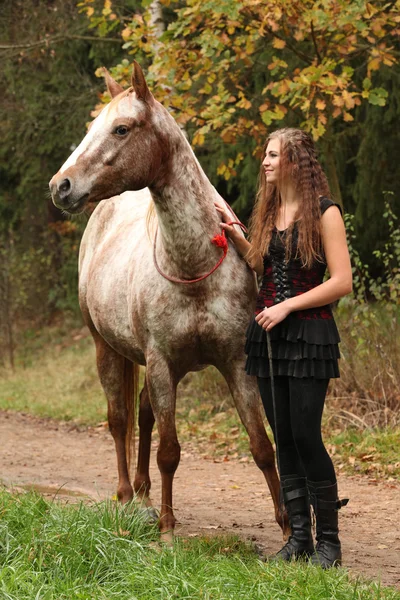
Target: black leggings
x,y
299,404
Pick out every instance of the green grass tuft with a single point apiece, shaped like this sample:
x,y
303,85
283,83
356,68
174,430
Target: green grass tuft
x,y
104,551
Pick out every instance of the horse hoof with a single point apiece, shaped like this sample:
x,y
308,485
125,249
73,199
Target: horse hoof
x,y
167,538
149,514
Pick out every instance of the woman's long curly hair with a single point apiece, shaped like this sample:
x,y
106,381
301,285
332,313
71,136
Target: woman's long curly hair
x,y
298,160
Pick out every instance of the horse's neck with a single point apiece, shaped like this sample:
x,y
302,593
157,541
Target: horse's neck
x,y
184,200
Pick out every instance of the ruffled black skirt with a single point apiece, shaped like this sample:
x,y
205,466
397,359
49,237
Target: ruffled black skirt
x,y
300,348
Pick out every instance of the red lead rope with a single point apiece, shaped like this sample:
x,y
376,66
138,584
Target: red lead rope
x,y
218,240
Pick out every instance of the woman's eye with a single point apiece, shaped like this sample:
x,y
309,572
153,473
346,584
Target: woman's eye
x,y
121,130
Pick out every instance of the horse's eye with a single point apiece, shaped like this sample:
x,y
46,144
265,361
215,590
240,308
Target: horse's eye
x,y
121,130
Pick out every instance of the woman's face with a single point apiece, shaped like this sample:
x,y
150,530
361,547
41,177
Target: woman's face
x,y
272,160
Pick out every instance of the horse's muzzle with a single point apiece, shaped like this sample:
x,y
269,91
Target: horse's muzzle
x,y
64,198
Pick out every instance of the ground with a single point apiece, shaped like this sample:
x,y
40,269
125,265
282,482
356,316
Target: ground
x,y
210,497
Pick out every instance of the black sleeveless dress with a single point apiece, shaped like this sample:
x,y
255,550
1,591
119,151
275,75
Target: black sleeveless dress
x,y
305,344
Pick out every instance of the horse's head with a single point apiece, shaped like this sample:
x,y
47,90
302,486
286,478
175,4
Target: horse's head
x,y
122,150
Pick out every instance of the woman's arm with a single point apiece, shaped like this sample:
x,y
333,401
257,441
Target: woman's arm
x,y
242,245
339,284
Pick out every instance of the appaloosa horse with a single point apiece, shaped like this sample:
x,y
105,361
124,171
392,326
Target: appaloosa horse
x,y
135,315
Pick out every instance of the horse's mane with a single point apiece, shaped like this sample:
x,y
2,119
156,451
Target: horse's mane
x,y
151,220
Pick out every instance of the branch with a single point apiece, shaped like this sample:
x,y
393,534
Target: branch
x,y
60,38
315,43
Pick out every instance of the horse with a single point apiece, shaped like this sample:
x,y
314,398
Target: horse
x,y
134,159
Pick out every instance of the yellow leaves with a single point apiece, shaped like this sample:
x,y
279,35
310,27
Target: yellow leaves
x,y
198,139
370,10
320,104
277,63
206,89
227,170
347,117
107,8
89,11
338,100
348,99
374,64
243,102
317,130
228,137
280,112
278,43
283,87
277,114
126,33
378,29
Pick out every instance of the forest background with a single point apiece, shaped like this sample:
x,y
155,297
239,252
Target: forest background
x,y
230,72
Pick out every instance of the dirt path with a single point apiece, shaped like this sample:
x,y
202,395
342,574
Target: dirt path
x,y
210,497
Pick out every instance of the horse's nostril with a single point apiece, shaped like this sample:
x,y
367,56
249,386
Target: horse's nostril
x,y
64,187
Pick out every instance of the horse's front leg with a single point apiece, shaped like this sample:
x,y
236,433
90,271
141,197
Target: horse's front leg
x,y
161,386
247,401
114,375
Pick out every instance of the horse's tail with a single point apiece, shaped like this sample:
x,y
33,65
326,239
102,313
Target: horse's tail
x,y
131,389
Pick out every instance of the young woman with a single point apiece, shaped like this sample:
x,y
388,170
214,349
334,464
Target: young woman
x,y
296,231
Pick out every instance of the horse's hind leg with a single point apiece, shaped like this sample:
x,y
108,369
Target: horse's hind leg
x,y
142,482
246,397
113,370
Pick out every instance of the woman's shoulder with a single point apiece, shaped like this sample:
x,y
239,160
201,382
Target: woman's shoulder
x,y
326,202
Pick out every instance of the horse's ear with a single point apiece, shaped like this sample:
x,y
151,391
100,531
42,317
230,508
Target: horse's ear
x,y
113,87
139,84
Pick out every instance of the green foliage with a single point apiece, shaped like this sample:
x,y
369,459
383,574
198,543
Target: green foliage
x,y
387,286
369,323
105,551
48,89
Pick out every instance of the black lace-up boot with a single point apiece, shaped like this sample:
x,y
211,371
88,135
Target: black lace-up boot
x,y
324,499
295,498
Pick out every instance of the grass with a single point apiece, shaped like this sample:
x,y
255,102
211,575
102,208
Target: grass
x,y
373,452
56,377
368,391
103,551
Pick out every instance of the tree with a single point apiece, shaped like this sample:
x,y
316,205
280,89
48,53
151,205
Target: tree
x,y
237,68
48,89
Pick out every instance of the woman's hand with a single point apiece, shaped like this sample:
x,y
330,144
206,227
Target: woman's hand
x,y
227,218
270,317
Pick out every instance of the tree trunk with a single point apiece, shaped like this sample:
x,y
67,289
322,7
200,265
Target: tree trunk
x,y
6,330
156,17
331,171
